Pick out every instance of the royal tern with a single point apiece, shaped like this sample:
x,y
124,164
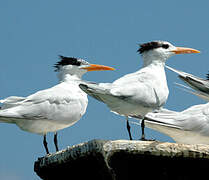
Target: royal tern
x,y
142,91
55,108
190,126
199,85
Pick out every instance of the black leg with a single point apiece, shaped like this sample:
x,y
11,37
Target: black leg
x,y
55,141
142,129
45,144
128,128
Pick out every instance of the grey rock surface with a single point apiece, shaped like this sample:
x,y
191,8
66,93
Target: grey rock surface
x,y
124,159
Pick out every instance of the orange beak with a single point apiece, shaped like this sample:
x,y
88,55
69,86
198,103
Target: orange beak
x,y
182,50
97,67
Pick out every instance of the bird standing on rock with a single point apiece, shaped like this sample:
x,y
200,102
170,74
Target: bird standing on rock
x,y
55,108
140,92
190,126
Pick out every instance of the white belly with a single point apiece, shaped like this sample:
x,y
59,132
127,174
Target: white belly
x,y
42,126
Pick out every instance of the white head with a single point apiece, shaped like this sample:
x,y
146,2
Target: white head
x,y
70,66
161,50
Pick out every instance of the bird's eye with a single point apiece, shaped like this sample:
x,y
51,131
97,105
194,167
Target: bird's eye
x,y
165,46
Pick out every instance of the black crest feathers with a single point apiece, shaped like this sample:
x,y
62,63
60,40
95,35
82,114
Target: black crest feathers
x,y
151,45
66,61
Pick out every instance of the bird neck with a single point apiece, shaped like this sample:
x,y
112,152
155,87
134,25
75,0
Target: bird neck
x,y
150,59
64,77
154,63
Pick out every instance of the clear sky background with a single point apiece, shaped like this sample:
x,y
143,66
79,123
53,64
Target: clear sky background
x,y
34,33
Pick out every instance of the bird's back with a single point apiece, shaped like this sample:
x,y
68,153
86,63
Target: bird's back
x,y
48,110
133,94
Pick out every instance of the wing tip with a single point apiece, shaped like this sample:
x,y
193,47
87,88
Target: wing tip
x,y
83,86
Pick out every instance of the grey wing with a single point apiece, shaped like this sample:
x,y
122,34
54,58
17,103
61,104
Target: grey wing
x,y
163,118
200,94
11,101
195,118
108,92
53,103
57,103
196,83
141,88
101,92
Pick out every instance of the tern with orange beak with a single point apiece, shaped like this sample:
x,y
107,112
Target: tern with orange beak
x,y
190,126
140,92
55,108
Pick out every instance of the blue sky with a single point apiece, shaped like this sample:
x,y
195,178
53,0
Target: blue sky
x,y
34,33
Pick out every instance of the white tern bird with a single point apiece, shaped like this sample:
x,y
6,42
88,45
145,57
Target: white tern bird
x,y
190,126
55,108
142,91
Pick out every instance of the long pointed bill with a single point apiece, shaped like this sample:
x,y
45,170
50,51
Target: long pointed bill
x,y
97,67
182,50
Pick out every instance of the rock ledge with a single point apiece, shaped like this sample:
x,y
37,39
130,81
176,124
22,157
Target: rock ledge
x,y
124,159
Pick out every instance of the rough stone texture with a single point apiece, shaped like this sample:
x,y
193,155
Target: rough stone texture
x,y
124,159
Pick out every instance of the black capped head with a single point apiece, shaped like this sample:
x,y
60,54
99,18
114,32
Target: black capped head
x,y
70,68
160,51
153,45
64,61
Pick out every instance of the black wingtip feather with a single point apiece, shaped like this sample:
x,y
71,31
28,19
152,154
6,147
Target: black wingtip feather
x,y
83,86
